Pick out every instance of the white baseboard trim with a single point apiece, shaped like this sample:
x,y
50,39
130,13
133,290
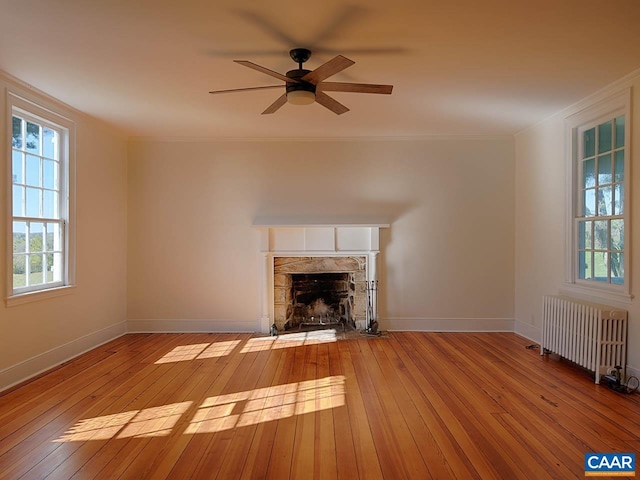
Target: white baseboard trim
x,y
527,330
163,325
38,364
400,324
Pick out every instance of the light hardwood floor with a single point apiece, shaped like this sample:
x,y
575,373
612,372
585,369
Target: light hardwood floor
x,y
226,406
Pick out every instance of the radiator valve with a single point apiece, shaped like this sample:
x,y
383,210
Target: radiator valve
x,y
615,381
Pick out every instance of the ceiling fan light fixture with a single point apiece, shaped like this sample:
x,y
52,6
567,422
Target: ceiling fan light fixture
x,y
301,97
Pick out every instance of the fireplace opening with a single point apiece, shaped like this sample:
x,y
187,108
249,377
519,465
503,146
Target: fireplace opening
x,y
320,299
319,291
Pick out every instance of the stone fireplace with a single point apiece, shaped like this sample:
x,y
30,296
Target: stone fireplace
x,y
318,270
319,291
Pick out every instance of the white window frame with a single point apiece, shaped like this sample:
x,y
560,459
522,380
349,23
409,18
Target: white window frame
x,y
23,105
600,112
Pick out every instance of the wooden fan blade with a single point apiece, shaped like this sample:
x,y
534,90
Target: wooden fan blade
x,y
246,89
328,102
355,87
276,105
259,68
337,64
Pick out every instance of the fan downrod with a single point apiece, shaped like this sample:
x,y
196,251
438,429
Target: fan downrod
x,y
300,55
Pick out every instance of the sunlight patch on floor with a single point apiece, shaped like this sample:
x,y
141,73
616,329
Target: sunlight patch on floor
x,y
215,414
148,422
199,351
224,412
288,340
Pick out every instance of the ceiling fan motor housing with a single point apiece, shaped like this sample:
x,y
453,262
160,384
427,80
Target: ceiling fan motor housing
x,y
301,84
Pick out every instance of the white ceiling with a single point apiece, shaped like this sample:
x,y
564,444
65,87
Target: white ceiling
x,y
459,67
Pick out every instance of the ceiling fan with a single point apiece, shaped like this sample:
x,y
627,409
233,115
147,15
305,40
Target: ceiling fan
x,y
304,87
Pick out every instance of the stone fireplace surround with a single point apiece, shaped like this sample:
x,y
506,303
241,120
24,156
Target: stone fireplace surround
x,y
327,245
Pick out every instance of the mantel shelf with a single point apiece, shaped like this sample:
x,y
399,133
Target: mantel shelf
x,y
319,222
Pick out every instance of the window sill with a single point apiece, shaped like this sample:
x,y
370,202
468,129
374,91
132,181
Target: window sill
x,y
38,295
586,292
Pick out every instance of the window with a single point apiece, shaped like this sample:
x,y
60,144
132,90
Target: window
x,y
599,157
40,165
600,219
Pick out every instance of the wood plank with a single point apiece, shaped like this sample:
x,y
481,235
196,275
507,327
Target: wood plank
x,y
360,420
303,457
345,453
284,440
244,413
259,455
325,455
257,412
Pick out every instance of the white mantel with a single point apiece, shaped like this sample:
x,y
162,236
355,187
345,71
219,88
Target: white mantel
x,y
291,237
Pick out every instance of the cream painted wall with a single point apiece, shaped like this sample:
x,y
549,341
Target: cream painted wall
x,y
39,334
446,261
540,217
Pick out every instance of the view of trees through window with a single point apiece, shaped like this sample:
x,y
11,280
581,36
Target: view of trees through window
x,y
38,226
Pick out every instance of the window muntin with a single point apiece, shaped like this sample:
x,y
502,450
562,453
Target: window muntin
x,y
39,206
600,218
